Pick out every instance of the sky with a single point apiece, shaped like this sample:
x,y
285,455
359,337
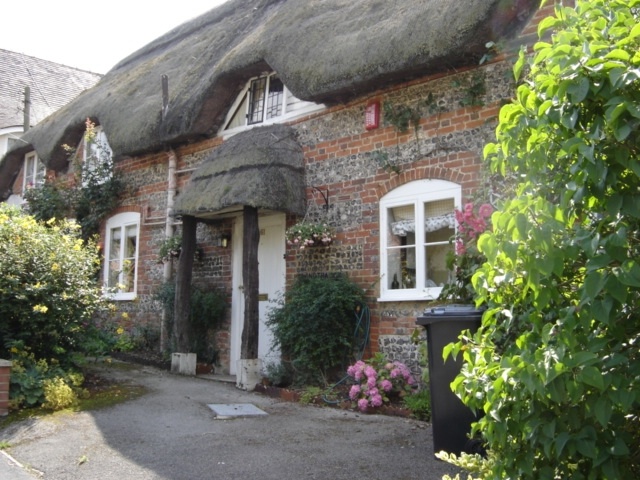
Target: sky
x,y
91,36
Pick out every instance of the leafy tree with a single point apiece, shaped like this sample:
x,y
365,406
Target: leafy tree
x,y
555,367
48,292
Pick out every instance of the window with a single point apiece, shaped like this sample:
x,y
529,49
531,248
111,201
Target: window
x,y
97,157
34,171
265,100
121,255
417,221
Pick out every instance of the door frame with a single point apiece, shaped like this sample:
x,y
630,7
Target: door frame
x,y
237,296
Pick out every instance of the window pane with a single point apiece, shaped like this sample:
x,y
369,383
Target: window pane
x,y
128,275
275,97
29,167
131,233
401,247
439,229
436,270
256,100
114,273
114,246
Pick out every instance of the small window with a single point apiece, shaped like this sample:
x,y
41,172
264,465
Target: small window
x,y
97,157
265,100
121,256
417,222
34,171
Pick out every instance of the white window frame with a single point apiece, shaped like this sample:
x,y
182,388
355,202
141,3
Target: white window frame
x,y
415,193
120,222
93,151
284,116
34,172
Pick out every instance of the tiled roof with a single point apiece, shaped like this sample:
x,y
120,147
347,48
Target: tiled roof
x,y
52,86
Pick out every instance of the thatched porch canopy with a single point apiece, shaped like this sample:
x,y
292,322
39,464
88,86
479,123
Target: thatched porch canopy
x,y
261,168
325,51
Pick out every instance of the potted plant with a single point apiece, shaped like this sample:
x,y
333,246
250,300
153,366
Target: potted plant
x,y
171,248
307,234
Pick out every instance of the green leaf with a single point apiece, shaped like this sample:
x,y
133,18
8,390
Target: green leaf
x,y
578,91
593,284
603,410
592,376
618,54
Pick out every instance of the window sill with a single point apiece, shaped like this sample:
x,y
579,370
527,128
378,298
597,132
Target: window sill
x,y
121,297
426,295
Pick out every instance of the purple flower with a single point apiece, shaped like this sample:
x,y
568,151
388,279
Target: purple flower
x,y
371,382
363,404
386,385
370,372
354,392
376,400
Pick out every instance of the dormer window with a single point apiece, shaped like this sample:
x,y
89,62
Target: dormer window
x,y
265,100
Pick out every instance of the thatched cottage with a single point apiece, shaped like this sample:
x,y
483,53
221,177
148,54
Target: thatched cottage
x,y
295,109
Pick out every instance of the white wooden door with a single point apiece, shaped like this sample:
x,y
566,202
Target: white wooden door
x,y
271,270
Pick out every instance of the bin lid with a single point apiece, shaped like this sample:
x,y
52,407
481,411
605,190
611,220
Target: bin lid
x,y
453,309
450,312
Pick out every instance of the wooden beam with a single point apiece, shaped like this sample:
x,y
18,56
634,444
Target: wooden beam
x,y
251,282
181,324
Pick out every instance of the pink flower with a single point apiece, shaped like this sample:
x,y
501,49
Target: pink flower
x,y
376,400
485,210
371,382
370,372
386,385
363,404
354,392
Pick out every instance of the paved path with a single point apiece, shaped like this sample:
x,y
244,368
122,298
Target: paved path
x,y
171,434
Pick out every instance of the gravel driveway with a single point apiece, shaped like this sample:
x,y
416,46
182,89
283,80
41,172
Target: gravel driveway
x,y
170,433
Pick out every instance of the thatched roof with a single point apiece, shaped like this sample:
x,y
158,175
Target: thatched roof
x,y
325,51
262,168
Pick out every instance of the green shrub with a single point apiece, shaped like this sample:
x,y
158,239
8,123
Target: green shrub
x,y
58,394
48,291
36,382
555,366
314,326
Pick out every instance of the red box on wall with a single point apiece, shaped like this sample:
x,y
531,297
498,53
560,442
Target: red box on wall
x,y
372,116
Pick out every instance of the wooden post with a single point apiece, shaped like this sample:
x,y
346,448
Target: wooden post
x,y
181,325
251,281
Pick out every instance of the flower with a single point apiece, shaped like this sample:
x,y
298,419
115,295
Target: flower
x,y
465,258
306,234
377,379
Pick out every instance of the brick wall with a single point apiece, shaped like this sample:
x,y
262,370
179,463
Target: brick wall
x,y
5,377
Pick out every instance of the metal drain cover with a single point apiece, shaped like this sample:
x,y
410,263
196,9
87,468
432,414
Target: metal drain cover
x,y
231,410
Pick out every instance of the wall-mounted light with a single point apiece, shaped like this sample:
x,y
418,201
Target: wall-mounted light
x,y
224,241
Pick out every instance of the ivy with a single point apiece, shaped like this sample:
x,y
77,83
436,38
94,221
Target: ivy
x,y
555,367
